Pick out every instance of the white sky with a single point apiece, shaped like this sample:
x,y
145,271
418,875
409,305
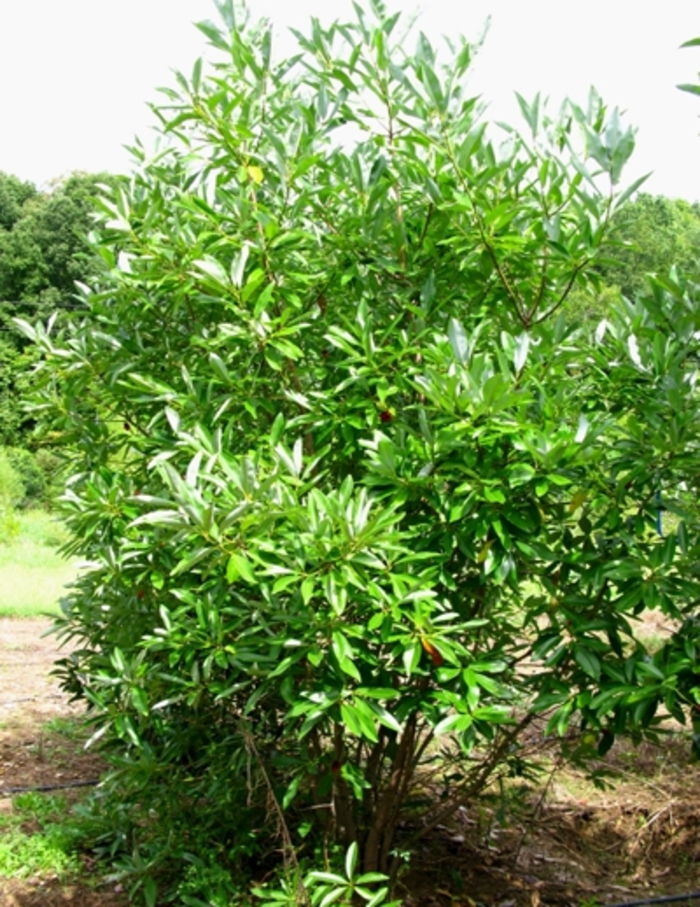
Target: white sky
x,y
75,75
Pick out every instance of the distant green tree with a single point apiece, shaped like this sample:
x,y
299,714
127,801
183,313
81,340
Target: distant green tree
x,y
15,363
656,234
43,253
13,194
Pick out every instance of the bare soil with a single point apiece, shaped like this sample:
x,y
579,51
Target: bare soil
x,y
567,844
560,843
34,756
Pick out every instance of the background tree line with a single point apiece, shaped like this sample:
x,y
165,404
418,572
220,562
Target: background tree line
x,y
42,255
654,234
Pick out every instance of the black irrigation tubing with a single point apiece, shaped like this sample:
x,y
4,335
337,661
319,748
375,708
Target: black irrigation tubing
x,y
666,899
41,788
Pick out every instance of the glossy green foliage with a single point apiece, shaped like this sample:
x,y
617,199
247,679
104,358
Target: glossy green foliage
x,y
361,507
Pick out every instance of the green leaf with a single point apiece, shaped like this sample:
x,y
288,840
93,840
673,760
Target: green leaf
x,y
355,778
227,11
458,340
150,891
385,717
520,474
351,860
454,722
277,430
291,791
588,660
140,700
494,495
630,190
308,587
411,657
211,268
530,111
240,566
212,33
238,266
356,723
344,654
521,349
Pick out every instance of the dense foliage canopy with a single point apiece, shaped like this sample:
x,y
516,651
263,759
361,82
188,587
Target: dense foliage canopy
x,y
367,512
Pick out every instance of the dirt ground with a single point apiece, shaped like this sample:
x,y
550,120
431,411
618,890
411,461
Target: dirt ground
x,y
567,844
562,843
33,755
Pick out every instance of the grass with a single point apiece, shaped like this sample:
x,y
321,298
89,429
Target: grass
x,y
33,576
70,728
47,849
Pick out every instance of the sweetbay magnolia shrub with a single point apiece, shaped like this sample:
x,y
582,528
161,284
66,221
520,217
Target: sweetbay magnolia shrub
x,y
362,507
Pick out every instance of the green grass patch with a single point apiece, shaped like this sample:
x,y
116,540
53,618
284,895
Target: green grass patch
x,y
23,855
33,575
70,728
49,848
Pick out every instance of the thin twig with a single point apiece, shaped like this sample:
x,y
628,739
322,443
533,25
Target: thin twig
x,y
288,852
